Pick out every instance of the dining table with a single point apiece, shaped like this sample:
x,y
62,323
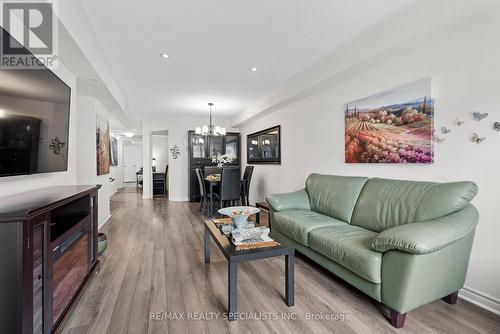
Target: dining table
x,y
213,181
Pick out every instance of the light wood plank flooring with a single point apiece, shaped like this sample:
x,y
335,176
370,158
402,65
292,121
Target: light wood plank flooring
x,y
154,263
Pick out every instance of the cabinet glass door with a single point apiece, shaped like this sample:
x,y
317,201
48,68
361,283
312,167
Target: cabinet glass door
x,y
232,144
198,146
214,146
38,278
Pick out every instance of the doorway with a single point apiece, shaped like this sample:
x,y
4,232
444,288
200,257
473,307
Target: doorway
x,y
159,163
132,162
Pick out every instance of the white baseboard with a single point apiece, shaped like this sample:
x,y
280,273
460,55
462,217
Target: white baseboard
x,y
480,299
100,225
180,199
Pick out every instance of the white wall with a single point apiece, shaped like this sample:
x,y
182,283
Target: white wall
x,y
17,184
88,109
160,152
465,71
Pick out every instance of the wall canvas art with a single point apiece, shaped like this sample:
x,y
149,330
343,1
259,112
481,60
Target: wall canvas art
x,y
113,152
102,145
391,127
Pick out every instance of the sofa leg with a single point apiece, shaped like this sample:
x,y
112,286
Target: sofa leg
x,y
397,319
452,298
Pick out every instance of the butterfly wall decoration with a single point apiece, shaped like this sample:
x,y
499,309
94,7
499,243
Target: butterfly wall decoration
x,y
56,145
479,116
436,138
476,139
175,151
496,126
459,122
445,130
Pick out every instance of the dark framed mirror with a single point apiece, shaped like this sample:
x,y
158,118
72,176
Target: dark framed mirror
x,y
264,147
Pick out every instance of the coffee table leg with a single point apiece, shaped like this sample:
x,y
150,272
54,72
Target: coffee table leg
x,y
207,245
232,296
289,279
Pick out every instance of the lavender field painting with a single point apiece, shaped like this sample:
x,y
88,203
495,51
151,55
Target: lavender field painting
x,y
391,127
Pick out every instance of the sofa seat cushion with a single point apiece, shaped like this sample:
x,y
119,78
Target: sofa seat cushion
x,y
349,246
296,224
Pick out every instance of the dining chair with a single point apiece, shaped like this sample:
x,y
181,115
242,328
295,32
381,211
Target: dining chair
x,y
230,187
204,196
245,185
166,179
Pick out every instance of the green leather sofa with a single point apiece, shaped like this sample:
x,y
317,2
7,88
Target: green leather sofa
x,y
403,243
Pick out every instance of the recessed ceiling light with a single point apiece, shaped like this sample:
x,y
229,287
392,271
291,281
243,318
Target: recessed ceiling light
x,y
164,55
254,69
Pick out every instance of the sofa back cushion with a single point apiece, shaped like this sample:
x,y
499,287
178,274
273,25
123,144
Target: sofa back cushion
x,y
387,203
334,196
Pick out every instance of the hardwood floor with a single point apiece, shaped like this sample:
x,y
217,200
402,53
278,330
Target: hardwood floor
x,y
154,264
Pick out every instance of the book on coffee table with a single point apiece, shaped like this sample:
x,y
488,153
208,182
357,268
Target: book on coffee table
x,y
258,242
226,225
256,237
250,238
249,233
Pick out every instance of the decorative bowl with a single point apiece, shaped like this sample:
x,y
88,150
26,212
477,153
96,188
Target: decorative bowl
x,y
239,214
102,242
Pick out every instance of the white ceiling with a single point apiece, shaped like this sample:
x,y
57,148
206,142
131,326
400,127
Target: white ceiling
x,y
214,44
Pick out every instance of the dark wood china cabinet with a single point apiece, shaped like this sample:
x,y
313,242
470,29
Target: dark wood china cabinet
x,y
48,246
201,151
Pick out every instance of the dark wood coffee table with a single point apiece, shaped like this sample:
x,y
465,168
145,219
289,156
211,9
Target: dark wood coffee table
x,y
234,257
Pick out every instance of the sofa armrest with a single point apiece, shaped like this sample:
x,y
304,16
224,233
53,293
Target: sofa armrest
x,y
428,236
294,200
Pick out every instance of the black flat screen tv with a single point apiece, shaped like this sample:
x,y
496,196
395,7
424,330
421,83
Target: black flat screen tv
x,y
34,121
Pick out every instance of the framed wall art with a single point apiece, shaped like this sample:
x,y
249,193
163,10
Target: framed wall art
x,y
264,147
391,127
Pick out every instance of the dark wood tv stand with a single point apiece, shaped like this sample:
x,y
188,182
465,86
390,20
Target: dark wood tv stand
x,y
48,247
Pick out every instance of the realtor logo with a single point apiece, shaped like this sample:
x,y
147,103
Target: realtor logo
x,y
29,36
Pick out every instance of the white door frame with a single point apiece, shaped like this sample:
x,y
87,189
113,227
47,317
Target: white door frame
x,y
147,153
137,161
